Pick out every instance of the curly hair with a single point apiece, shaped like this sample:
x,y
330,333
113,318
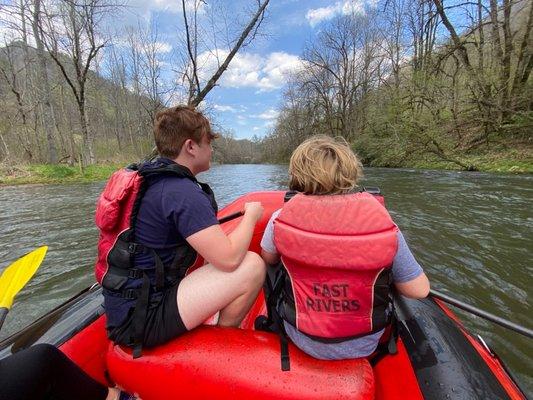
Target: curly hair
x,y
324,165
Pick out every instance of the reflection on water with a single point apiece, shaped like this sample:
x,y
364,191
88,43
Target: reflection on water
x,y
473,233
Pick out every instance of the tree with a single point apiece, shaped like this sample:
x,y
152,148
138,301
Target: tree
x,y
44,84
74,49
197,92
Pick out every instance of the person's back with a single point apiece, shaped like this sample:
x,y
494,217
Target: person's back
x,y
170,218
162,229
341,251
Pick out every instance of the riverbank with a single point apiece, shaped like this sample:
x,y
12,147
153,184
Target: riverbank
x,y
494,164
52,174
514,159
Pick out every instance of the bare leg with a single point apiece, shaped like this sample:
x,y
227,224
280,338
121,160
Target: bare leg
x,y
208,290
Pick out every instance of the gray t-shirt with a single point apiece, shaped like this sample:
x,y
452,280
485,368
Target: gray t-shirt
x,y
404,269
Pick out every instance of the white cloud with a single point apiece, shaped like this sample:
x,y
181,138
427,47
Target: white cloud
x,y
265,73
276,68
268,114
318,15
353,7
222,108
162,47
173,6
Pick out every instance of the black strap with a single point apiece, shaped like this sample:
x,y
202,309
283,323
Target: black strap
x,y
274,321
284,347
390,347
131,273
130,294
159,271
136,248
139,317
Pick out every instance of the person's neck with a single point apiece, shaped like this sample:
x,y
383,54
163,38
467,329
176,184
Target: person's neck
x,y
186,162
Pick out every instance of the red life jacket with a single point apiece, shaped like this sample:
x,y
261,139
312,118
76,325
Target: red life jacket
x,y
337,252
113,212
116,217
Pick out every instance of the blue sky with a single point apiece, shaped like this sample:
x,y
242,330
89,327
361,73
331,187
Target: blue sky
x,y
250,91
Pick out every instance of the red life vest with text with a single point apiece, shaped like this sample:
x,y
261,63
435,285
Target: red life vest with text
x,y
337,251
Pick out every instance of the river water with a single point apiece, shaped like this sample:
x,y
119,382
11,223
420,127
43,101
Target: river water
x,y
472,233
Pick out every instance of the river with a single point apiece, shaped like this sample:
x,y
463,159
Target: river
x,y
472,232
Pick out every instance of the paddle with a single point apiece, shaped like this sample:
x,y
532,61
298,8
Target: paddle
x,y
15,277
483,314
231,217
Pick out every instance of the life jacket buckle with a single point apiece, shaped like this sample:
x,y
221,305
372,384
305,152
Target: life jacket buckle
x,y
135,273
134,248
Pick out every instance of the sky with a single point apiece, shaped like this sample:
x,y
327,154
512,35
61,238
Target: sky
x,y
249,94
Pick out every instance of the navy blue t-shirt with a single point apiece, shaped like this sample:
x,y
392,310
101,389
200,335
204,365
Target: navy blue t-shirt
x,y
171,210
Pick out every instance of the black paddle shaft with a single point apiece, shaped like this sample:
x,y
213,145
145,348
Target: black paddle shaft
x,y
230,217
483,314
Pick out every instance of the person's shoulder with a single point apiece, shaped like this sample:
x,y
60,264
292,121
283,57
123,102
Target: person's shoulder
x,y
175,184
182,191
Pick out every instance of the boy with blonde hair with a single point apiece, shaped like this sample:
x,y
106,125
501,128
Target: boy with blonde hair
x,y
340,254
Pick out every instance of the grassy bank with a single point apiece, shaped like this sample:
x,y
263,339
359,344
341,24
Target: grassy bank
x,y
46,173
498,166
511,161
499,160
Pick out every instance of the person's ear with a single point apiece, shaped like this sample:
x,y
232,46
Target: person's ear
x,y
188,146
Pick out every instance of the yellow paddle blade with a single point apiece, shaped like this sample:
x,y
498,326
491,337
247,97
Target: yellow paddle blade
x,y
18,274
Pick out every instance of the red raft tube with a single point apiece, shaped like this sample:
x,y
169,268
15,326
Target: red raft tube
x,y
437,358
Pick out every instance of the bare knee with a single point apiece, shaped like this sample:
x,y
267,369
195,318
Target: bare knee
x,y
252,269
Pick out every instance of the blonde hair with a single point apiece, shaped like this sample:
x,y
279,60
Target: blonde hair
x,y
324,165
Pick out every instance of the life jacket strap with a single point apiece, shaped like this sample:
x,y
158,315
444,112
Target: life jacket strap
x,y
389,347
285,359
136,248
273,322
132,273
139,316
130,294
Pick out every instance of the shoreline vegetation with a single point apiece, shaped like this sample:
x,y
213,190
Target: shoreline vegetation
x,y
64,174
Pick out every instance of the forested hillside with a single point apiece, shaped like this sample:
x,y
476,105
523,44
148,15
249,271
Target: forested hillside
x,y
73,91
119,115
118,119
418,84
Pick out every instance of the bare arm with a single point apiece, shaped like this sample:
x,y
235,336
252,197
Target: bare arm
x,y
226,252
417,288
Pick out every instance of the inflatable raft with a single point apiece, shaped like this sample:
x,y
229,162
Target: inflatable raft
x,y
436,359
